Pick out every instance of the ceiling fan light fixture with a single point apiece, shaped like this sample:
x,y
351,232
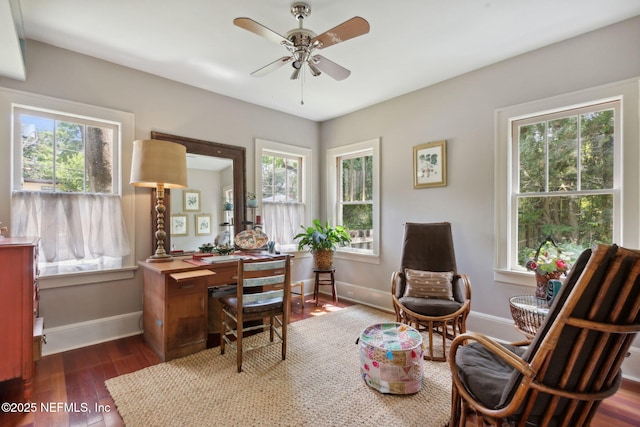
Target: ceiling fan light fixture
x,y
297,64
314,71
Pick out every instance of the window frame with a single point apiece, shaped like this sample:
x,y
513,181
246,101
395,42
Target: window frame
x,y
264,146
10,98
514,184
333,191
17,109
626,177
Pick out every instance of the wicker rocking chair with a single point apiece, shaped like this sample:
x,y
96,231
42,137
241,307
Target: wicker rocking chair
x,y
574,360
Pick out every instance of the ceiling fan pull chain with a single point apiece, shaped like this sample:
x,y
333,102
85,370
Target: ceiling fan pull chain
x,y
302,88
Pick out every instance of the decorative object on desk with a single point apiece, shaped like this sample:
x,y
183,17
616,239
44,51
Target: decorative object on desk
x,y
4,231
322,240
159,164
430,165
224,249
206,248
547,265
191,201
251,239
179,225
203,224
252,202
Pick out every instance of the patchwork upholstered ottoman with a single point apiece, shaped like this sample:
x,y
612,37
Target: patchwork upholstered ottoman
x,y
391,358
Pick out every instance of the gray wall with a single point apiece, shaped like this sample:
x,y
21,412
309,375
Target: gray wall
x,y
158,104
461,111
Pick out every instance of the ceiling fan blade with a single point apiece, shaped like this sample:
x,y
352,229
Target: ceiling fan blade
x,y
259,29
295,74
334,70
270,67
354,27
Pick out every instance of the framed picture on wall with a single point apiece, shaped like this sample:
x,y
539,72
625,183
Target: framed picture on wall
x,y
203,225
430,165
179,225
191,201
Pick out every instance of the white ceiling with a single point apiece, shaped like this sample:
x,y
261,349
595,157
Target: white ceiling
x,y
412,43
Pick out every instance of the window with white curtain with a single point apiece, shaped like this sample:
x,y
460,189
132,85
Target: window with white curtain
x,y
66,189
283,190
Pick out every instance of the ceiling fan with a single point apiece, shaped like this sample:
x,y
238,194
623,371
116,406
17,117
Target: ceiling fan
x,y
302,43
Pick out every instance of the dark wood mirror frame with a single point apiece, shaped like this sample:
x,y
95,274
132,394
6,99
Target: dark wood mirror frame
x,y
213,149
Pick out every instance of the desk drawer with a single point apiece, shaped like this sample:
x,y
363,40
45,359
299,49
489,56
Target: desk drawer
x,y
194,284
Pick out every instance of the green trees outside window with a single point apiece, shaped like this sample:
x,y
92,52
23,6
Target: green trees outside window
x,y
565,180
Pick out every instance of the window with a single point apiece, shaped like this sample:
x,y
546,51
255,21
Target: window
x,y
283,190
66,186
353,194
564,184
559,171
65,154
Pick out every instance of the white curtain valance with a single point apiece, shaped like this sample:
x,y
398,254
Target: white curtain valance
x,y
71,226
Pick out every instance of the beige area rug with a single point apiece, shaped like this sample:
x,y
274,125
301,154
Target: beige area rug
x,y
319,384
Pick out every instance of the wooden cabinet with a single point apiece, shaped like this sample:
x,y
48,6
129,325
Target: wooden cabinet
x,y
19,309
175,310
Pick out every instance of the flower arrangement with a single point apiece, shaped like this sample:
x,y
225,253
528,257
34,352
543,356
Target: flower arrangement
x,y
547,266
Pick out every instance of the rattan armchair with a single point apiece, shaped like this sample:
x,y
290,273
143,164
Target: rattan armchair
x,y
574,360
429,247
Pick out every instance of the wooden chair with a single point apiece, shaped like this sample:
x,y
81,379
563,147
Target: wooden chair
x,y
263,293
574,360
429,248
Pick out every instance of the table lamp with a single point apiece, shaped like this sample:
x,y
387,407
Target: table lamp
x,y
159,164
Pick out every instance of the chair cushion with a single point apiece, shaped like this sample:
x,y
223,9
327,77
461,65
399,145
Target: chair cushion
x,y
483,374
430,306
428,284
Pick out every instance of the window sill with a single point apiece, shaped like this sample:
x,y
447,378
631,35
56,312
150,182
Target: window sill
x,y
359,257
515,277
85,278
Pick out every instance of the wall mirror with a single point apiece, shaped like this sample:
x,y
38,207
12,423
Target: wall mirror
x,y
215,173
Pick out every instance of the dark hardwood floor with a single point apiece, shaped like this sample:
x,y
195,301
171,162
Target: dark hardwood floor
x,y
69,387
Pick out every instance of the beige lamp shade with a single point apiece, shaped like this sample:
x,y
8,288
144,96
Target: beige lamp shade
x,y
159,162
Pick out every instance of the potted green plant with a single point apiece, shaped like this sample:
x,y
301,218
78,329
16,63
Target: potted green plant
x,y
252,202
322,240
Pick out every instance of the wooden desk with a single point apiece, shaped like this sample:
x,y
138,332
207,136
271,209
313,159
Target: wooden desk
x,y
175,303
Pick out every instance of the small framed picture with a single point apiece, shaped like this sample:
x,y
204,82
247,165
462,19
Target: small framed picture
x,y
191,200
430,165
179,225
203,225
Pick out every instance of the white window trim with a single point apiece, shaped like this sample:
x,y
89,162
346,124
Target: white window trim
x,y
628,232
287,150
332,196
9,98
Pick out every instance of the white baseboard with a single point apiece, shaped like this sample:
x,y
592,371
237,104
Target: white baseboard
x,y
82,334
